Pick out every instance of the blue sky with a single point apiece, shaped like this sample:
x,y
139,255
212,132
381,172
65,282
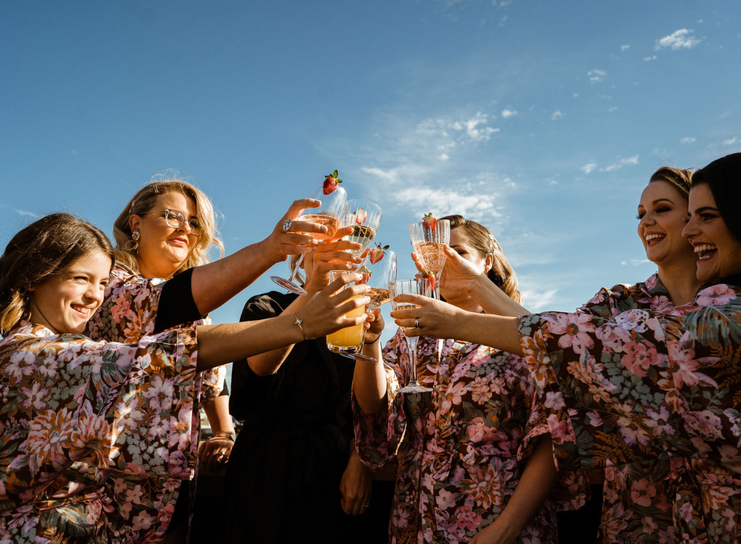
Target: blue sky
x,y
542,120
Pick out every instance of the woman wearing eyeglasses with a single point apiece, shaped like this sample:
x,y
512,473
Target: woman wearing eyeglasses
x,y
162,278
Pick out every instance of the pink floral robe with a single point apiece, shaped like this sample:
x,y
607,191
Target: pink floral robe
x,y
94,437
459,464
654,393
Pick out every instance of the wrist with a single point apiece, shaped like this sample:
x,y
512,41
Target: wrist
x,y
225,434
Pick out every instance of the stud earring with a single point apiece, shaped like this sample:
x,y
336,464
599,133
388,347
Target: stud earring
x,y
135,236
134,242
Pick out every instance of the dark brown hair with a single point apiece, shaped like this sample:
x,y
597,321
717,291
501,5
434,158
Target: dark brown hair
x,y
723,176
43,249
483,241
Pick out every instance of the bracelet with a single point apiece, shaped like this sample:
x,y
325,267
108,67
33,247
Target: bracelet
x,y
298,322
374,341
225,434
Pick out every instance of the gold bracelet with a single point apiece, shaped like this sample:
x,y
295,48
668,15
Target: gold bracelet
x,y
298,322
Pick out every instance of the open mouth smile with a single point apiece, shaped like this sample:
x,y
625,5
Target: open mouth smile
x,y
705,251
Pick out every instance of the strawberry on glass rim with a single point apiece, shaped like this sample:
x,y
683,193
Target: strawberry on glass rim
x,y
377,253
430,221
331,182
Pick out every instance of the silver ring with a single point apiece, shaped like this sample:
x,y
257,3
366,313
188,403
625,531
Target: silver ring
x,y
416,323
287,225
367,505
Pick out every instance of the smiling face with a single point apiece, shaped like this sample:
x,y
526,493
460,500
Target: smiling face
x,y
164,249
64,303
662,212
719,252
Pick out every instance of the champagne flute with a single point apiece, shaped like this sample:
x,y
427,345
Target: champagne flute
x,y
378,269
364,217
429,241
414,287
329,214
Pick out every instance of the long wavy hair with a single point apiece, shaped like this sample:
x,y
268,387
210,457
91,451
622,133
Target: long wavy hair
x,y
483,241
143,202
43,249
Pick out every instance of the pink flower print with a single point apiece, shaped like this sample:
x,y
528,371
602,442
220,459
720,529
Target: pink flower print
x,y
638,357
658,421
468,518
559,429
480,390
704,424
119,486
160,394
36,397
554,401
631,432
445,500
715,295
48,437
453,395
684,364
633,320
181,427
595,420
718,496
642,492
649,525
142,521
612,337
574,330
661,305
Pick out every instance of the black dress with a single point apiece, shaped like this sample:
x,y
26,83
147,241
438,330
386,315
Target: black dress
x,y
283,476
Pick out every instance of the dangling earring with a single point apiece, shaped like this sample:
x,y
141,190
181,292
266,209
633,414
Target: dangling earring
x,y
135,236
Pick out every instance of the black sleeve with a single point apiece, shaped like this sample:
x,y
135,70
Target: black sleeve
x,y
249,389
176,303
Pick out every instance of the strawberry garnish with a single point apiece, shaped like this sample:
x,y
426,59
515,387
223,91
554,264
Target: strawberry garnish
x,y
430,221
330,183
430,277
361,216
377,253
366,274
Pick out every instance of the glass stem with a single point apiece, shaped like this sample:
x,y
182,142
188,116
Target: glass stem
x,y
412,343
296,268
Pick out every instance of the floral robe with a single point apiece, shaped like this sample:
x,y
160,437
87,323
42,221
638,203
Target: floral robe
x,y
458,464
128,312
647,385
94,437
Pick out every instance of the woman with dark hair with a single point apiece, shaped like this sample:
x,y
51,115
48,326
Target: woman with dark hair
x,y
460,478
643,384
96,436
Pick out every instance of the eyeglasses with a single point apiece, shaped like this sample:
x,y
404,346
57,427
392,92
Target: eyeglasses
x,y
177,220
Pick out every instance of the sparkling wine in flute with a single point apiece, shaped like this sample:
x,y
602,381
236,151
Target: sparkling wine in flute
x,y
432,255
429,238
329,220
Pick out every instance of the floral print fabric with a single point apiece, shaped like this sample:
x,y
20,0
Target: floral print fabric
x,y
129,311
94,437
650,384
458,464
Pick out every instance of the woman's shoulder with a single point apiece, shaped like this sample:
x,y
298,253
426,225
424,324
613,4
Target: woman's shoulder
x,y
265,305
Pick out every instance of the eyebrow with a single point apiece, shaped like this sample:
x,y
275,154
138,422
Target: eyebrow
x,y
705,209
660,200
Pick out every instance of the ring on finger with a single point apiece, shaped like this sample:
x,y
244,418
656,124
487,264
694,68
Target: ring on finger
x,y
287,225
416,322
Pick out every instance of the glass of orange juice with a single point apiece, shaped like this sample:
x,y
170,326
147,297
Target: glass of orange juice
x,y
347,341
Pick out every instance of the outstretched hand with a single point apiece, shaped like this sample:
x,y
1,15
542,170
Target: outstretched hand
x,y
435,318
297,239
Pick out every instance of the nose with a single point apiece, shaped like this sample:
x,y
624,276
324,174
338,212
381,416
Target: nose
x,y
95,293
690,229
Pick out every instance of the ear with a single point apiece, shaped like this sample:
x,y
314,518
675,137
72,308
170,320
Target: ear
x,y
134,221
488,262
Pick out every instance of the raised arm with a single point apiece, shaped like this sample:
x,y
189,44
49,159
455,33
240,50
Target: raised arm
x,y
215,283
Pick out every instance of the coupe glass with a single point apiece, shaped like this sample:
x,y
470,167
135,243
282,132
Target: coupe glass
x,y
429,246
330,215
364,217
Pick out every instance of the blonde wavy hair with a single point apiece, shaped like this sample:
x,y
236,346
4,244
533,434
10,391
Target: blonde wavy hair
x,y
483,241
143,202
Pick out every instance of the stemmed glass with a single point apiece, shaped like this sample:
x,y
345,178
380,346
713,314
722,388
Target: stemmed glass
x,y
412,287
429,241
329,214
364,217
378,269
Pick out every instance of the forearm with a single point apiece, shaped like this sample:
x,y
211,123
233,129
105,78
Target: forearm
x,y
499,332
215,283
221,344
493,300
217,412
534,486
369,383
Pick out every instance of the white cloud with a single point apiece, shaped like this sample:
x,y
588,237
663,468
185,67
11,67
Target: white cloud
x,y
653,57
638,262
632,161
507,113
444,157
730,141
27,214
596,76
624,47
535,300
556,115
680,39
688,140
614,108
471,126
589,168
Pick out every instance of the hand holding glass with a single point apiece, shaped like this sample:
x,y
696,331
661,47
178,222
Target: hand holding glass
x,y
429,243
347,341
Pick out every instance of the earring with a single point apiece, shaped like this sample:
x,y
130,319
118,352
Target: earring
x,y
135,236
135,241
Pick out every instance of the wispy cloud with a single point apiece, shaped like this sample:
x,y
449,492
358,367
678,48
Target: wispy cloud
x,y
556,115
27,214
652,57
624,47
475,127
689,140
589,168
680,39
632,161
730,141
597,76
507,113
635,262
535,300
